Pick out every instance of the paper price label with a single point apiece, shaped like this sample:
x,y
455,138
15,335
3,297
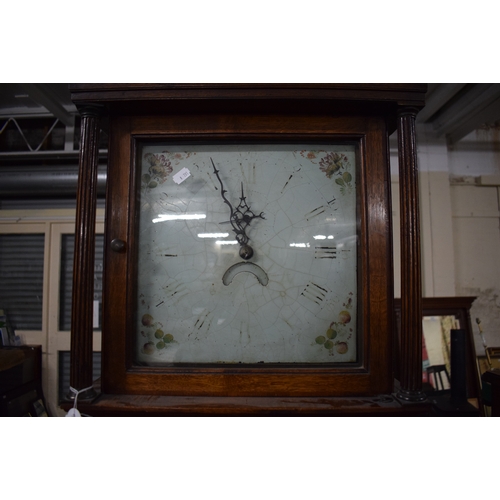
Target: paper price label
x,y
181,175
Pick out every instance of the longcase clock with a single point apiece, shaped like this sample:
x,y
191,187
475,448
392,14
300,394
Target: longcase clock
x,y
248,250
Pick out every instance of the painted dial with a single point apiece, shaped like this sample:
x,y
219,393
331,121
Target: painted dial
x,y
293,301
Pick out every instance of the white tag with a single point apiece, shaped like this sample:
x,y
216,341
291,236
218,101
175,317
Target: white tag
x,y
95,319
73,413
181,175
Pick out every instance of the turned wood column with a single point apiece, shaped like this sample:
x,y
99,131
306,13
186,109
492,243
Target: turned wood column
x,y
83,267
411,285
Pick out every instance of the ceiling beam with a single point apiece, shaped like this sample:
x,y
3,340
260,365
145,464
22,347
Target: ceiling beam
x,y
463,112
437,98
41,94
488,114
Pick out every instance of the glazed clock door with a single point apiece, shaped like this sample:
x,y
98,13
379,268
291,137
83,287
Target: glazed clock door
x,y
246,254
247,264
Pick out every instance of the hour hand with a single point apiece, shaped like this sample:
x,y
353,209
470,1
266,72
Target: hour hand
x,y
246,214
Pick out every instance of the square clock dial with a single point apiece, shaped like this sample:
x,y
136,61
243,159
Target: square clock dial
x,y
246,254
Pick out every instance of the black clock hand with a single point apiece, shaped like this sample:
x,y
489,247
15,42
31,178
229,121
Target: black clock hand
x,y
223,194
240,218
244,214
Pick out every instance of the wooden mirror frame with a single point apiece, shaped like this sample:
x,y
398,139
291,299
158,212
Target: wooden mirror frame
x,y
459,307
229,111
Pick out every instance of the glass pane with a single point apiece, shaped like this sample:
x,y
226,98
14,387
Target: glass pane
x,y
66,280
21,279
246,254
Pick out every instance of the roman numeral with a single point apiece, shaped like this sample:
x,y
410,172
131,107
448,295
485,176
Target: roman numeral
x,y
286,183
175,291
329,252
289,179
314,293
201,320
204,321
315,212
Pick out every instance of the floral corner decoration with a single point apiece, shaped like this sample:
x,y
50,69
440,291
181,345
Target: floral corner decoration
x,y
335,336
337,164
161,165
160,168
157,338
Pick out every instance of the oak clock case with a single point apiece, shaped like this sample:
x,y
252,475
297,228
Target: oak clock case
x,y
246,254
255,322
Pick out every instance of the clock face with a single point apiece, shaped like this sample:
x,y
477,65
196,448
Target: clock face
x,y
201,298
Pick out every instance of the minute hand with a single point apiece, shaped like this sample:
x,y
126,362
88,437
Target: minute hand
x,y
240,217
